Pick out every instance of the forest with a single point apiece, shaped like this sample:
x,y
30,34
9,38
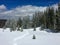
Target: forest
x,y
49,19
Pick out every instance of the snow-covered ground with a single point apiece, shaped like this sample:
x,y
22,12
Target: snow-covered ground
x,y
25,37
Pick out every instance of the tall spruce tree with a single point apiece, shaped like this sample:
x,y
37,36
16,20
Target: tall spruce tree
x,y
19,24
50,18
58,18
47,19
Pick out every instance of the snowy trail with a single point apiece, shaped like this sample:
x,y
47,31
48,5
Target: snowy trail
x,y
20,37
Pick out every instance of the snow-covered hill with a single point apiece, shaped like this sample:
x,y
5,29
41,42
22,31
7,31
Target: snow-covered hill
x,y
25,37
22,11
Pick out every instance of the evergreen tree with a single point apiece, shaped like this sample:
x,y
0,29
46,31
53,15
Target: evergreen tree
x,y
58,18
47,19
21,28
26,22
51,18
19,24
43,21
18,29
34,27
34,37
4,27
13,25
8,23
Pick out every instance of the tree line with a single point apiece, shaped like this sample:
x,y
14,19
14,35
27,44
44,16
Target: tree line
x,y
49,19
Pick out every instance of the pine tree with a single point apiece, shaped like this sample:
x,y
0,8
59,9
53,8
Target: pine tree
x,y
49,20
4,27
26,22
34,37
43,21
58,18
19,22
35,27
21,28
18,29
8,23
51,16
13,25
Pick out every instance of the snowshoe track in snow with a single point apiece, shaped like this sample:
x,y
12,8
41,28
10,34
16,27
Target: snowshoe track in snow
x,y
20,37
